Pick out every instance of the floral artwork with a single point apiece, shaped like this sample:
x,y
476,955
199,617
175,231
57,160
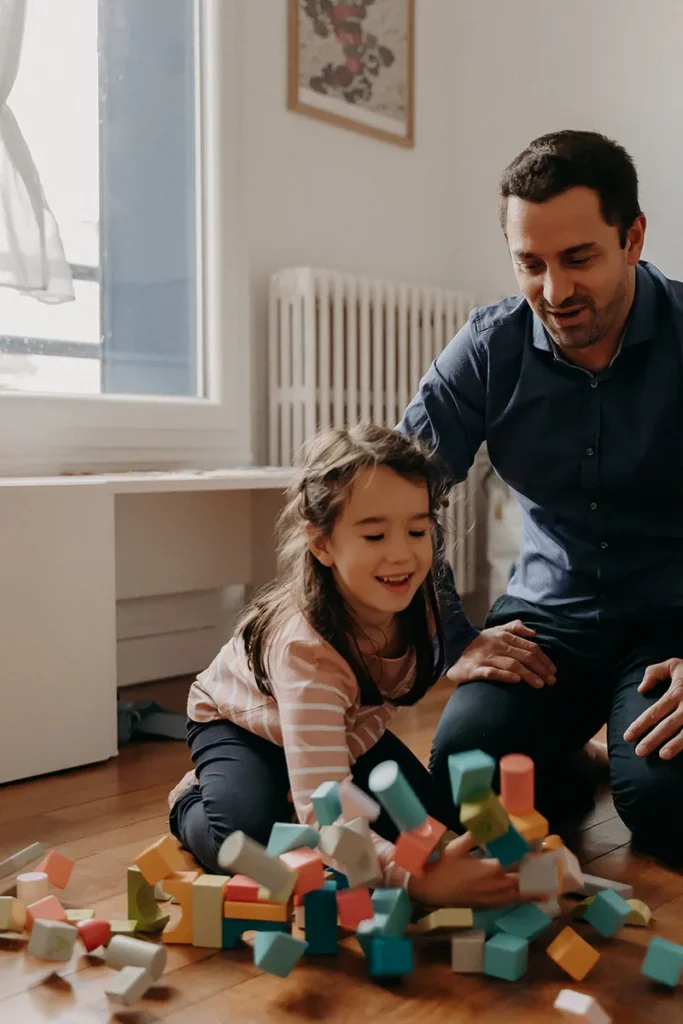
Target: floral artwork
x,y
352,64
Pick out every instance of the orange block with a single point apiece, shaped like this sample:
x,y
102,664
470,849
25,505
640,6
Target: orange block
x,y
179,884
242,888
47,909
354,906
161,859
532,826
255,911
517,783
309,867
414,848
58,868
551,843
573,954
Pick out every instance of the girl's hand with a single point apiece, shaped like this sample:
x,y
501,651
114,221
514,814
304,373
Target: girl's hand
x,y
459,880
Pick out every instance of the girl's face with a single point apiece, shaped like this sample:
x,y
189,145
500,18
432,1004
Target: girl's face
x,y
380,549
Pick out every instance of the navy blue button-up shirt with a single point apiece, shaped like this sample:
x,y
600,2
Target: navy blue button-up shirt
x,y
595,459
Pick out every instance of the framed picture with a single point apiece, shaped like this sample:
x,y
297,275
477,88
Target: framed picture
x,y
352,64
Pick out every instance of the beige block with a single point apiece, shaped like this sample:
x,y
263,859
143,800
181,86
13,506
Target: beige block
x,y
207,911
128,986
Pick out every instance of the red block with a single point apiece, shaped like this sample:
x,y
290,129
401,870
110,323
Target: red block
x,y
354,906
517,783
48,909
241,889
309,867
94,933
414,848
58,868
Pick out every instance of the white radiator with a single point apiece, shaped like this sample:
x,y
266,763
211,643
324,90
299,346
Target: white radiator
x,y
344,349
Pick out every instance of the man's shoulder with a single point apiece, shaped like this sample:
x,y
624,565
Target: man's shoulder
x,y
672,288
509,316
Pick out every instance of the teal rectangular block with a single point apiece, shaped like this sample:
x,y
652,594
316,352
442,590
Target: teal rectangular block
x,y
607,912
506,957
663,962
487,920
471,775
277,953
285,837
390,958
327,803
508,849
526,922
397,906
371,928
321,920
234,929
341,880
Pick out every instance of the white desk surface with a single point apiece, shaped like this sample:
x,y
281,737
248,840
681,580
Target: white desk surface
x,y
241,478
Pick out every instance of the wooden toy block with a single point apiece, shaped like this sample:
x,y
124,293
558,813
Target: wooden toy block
x,y
506,957
160,859
573,954
124,951
326,802
576,1004
351,845
355,803
180,886
393,910
142,906
396,796
485,920
11,865
541,874
52,940
309,868
331,874
640,915
508,849
371,928
592,885
663,962
239,853
533,826
47,909
58,868
255,911
517,783
572,875
128,986
234,929
321,920
413,849
354,906
123,927
277,953
526,922
32,886
160,893
76,916
551,907
94,933
485,819
467,951
580,909
207,911
285,837
241,888
552,843
12,914
389,957
300,917
607,913
445,920
471,774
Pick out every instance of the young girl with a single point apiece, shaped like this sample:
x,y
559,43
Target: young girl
x,y
323,657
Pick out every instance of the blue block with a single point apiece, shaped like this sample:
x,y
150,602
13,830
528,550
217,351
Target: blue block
x,y
396,796
506,957
663,961
321,920
471,775
607,912
390,958
526,922
327,803
508,849
277,954
233,929
396,906
285,837
372,928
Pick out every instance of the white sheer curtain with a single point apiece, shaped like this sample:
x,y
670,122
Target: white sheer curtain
x,y
32,256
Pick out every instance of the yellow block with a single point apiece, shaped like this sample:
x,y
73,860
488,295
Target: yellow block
x,y
207,911
573,954
123,927
552,843
255,911
74,916
179,884
640,913
532,826
581,908
485,819
448,917
160,859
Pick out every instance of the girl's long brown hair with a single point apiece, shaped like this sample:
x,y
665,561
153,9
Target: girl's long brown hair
x,y
328,467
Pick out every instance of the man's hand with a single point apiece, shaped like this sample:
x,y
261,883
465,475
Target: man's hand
x,y
505,654
668,711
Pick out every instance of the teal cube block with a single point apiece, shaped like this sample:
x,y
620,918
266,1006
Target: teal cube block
x,y
327,803
396,906
285,837
390,957
277,953
320,908
487,920
607,912
471,775
372,928
663,962
506,957
397,796
234,929
526,922
508,849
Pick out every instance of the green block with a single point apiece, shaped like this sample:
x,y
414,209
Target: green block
x,y
142,905
471,775
663,962
326,802
526,922
277,953
607,912
506,957
485,819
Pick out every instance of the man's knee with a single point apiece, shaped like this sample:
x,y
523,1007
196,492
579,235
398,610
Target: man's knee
x,y
646,800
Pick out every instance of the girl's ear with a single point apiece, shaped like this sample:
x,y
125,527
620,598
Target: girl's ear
x,y
319,546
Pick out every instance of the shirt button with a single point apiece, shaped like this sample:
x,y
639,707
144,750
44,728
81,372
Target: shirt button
x,y
594,383
603,544
594,505
590,451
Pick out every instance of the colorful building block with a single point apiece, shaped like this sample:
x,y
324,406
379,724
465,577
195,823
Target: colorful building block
x,y
640,915
607,913
160,859
121,926
32,886
127,986
354,906
179,885
255,911
94,933
124,951
541,874
551,907
76,916
17,861
309,868
351,845
355,803
142,906
553,842
394,909
234,928
239,853
445,921
580,909
517,783
372,928
390,957
467,951
58,868
331,874
532,826
592,884
285,837
242,889
663,962
12,914
413,849
160,893
485,819
52,940
506,957
48,909
277,953
321,920
573,954
526,922
396,796
207,911
326,800
572,875
575,1005
485,920
471,774
508,849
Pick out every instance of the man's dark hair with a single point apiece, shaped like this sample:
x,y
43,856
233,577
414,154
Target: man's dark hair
x,y
554,163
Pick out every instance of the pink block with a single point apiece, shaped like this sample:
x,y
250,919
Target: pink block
x,y
354,906
517,783
94,933
58,868
241,889
414,848
309,867
48,909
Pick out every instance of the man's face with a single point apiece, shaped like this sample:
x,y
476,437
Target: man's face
x,y
571,267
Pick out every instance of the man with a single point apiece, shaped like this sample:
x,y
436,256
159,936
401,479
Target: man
x,y
577,389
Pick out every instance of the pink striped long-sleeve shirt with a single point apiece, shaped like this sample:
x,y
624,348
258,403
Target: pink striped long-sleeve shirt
x,y
315,712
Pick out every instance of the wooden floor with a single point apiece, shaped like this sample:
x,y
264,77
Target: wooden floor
x,y
103,815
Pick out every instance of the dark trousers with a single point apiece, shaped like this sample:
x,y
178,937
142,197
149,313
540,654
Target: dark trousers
x,y
598,672
244,785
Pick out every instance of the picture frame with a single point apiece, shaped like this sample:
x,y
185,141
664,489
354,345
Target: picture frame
x,y
352,64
